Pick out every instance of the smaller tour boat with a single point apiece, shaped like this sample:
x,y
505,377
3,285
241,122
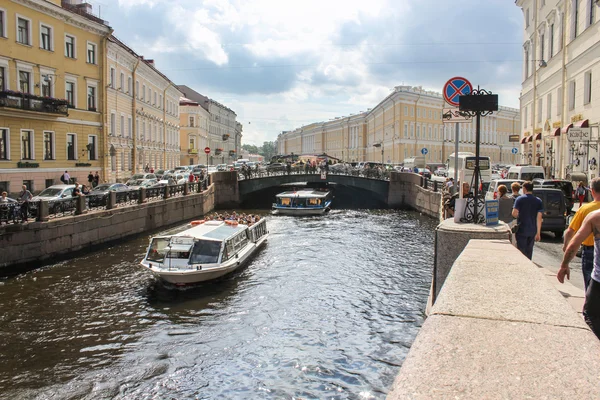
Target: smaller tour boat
x,y
302,202
206,251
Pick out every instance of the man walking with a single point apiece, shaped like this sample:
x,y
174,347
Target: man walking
x,y
587,251
65,178
24,198
528,211
591,306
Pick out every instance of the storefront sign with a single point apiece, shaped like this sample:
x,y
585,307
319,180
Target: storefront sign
x,y
556,124
491,212
577,117
514,138
579,134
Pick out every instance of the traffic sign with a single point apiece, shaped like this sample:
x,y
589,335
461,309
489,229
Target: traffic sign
x,y
515,150
454,116
424,151
207,150
455,88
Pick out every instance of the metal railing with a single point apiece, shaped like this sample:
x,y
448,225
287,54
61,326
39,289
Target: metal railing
x,y
257,230
349,171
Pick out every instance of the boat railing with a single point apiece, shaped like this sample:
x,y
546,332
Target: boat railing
x,y
258,230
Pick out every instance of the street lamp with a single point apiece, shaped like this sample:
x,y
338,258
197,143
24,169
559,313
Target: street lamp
x,y
380,144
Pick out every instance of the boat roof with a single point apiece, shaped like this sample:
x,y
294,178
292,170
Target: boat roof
x,y
212,230
304,194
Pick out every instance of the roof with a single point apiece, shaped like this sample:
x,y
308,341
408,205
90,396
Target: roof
x,y
212,230
308,194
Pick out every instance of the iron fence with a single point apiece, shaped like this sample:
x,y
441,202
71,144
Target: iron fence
x,y
176,190
155,193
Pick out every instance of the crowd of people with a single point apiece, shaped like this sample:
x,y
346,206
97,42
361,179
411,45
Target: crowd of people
x,y
243,218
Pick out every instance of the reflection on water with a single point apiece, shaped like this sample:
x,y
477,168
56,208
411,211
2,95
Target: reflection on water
x,y
328,308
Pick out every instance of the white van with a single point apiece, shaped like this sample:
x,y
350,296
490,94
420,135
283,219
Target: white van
x,y
412,162
526,172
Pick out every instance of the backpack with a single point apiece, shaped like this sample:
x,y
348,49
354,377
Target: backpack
x,y
62,178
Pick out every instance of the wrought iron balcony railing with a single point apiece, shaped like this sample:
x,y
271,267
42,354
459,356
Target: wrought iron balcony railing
x,y
28,102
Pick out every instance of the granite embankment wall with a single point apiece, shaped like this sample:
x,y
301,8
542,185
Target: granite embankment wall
x,y
500,330
406,191
38,241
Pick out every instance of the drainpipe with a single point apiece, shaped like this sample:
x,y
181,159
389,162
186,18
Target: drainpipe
x,y
416,138
134,94
165,127
104,118
563,141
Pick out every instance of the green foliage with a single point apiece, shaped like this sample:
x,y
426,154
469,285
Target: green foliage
x,y
267,150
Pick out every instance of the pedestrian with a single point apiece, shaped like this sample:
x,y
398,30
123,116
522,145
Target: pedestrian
x,y
591,305
580,193
147,168
76,190
65,178
85,190
151,170
528,210
587,247
24,197
515,187
4,198
505,205
90,179
191,178
96,179
450,203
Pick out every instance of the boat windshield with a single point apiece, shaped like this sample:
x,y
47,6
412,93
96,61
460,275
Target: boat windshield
x,y
158,249
205,252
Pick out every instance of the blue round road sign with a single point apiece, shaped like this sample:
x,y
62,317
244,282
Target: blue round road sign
x,y
424,151
455,88
515,150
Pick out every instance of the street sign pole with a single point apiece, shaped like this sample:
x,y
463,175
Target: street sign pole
x,y
457,134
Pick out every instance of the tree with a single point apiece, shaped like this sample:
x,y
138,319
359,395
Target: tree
x,y
252,149
268,150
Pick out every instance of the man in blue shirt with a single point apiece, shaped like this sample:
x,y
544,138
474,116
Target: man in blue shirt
x,y
528,211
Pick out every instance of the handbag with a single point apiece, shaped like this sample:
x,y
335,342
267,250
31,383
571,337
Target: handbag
x,y
515,228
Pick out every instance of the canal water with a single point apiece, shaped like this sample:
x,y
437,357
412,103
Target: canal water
x,y
328,309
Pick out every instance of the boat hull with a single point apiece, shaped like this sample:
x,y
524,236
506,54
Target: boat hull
x,y
191,276
300,211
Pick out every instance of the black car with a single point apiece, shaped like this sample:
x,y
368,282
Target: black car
x,y
564,185
99,194
555,210
275,167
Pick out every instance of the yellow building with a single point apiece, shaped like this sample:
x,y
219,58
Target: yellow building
x,y
193,123
139,99
51,92
407,123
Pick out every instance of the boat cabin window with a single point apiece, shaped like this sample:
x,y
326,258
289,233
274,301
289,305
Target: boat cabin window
x,y
285,201
158,249
205,252
314,202
229,250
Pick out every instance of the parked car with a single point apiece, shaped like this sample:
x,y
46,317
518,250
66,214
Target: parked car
x,y
276,167
492,190
137,177
55,192
222,167
140,183
424,172
99,194
555,210
564,185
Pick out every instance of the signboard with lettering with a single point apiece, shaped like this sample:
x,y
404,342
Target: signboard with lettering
x,y
484,163
514,138
491,212
579,134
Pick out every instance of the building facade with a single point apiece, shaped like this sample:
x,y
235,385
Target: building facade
x,y
193,132
407,123
51,92
560,88
224,132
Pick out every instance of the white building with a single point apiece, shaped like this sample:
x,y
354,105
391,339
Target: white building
x,y
561,71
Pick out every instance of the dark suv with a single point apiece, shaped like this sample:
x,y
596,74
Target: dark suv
x,y
276,167
565,186
555,212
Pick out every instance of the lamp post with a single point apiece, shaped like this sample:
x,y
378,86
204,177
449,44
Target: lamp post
x,y
380,144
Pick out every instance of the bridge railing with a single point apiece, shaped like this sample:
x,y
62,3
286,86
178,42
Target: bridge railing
x,y
369,173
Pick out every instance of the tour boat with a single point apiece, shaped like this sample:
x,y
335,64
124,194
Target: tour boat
x,y
208,250
302,202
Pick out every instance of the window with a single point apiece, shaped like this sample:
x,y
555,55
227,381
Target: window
x,y
111,78
137,89
525,117
592,11
91,147
130,126
91,53
48,145
4,144
2,79
113,122
23,31
526,63
154,98
122,82
46,37
122,131
572,95
551,41
418,131
70,93
549,106
412,111
45,82
91,98
26,145
69,46
575,22
559,101
192,122
542,43
123,161
2,23
587,88
129,85
24,77
71,146
143,92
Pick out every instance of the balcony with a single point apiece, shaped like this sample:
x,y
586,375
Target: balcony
x,y
30,102
192,151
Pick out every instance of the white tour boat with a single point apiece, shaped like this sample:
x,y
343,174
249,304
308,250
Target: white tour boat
x,y
206,251
302,202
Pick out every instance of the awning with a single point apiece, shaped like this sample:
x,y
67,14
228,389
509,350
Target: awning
x,y
524,140
538,136
582,124
556,132
565,129
530,138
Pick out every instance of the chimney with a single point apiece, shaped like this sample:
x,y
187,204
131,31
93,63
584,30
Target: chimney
x,y
151,62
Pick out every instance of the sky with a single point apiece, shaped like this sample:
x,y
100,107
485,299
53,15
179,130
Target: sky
x,y
283,64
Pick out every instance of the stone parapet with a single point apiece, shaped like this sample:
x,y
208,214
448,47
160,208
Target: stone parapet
x,y
406,190
500,330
